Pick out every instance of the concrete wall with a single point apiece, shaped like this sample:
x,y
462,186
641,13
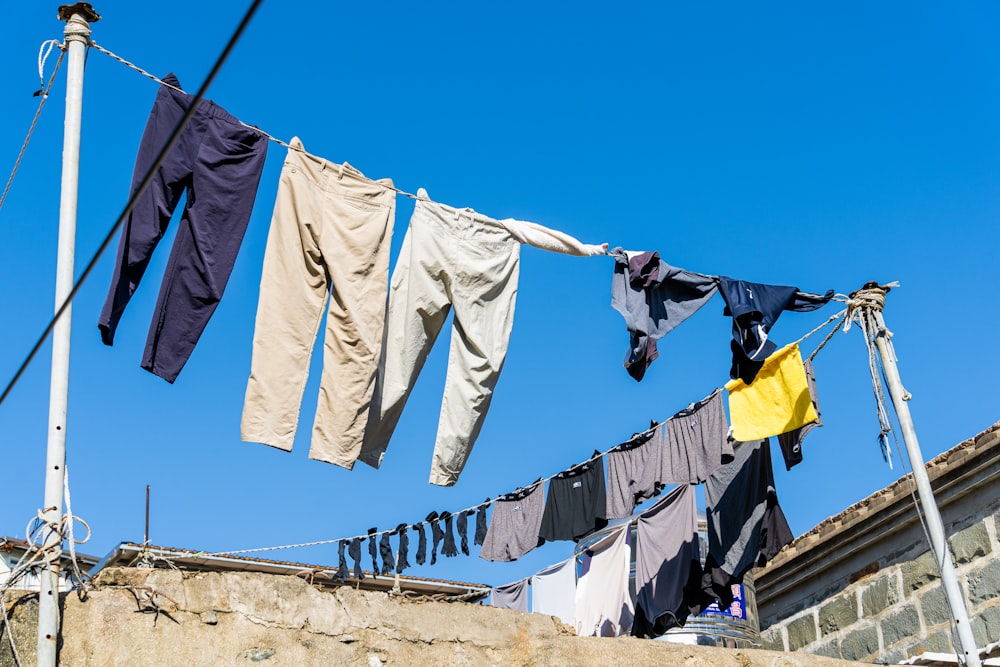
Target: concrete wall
x,y
168,617
863,585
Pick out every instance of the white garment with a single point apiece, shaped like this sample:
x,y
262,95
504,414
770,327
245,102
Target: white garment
x,y
452,260
603,605
553,591
550,239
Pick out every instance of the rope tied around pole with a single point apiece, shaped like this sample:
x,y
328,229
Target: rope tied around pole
x,y
872,295
861,308
38,556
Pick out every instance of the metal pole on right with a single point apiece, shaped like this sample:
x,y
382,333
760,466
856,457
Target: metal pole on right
x,y
871,310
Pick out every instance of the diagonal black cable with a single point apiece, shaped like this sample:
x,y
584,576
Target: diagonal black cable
x,y
135,196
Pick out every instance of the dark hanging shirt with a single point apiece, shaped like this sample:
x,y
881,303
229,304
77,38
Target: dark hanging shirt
x,y
755,308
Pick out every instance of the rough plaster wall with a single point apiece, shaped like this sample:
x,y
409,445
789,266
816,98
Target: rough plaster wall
x,y
166,617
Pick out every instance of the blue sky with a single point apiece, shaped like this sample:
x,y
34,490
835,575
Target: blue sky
x,y
820,147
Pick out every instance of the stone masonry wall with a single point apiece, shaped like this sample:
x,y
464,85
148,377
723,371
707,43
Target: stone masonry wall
x,y
894,607
168,617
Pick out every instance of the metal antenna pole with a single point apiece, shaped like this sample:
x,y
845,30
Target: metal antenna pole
x,y
78,18
871,310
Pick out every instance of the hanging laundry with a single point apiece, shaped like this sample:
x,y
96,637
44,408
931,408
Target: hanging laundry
x,y
354,551
791,442
342,573
694,443
654,298
633,475
421,543
667,564
436,534
553,591
372,550
511,596
746,527
513,529
481,523
777,402
327,249
385,553
603,606
462,260
755,308
218,162
448,549
402,560
576,503
462,523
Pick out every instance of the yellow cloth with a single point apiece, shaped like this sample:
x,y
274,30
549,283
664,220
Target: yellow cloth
x,y
777,402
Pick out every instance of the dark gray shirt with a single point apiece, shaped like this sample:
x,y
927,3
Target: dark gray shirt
x,y
654,298
746,527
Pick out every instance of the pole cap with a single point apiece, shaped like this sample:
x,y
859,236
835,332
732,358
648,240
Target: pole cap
x,y
84,9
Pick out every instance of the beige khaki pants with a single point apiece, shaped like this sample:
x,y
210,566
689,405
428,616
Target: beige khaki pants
x,y
327,250
451,259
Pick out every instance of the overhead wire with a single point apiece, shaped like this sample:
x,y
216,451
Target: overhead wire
x,y
143,184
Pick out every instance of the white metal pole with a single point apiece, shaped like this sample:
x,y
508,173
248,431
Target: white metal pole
x,y
77,37
935,526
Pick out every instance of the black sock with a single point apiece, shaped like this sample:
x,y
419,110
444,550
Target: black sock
x,y
385,551
463,530
342,573
354,550
449,548
372,550
481,524
404,546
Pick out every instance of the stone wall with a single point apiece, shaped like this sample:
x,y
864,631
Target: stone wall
x,y
168,617
864,585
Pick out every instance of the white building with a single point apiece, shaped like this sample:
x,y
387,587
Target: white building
x,y
12,551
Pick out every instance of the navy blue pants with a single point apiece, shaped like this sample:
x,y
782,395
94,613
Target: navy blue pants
x,y
217,161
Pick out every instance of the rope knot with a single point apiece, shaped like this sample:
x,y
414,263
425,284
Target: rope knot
x,y
872,295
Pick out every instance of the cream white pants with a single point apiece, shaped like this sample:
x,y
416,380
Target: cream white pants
x,y
327,251
451,260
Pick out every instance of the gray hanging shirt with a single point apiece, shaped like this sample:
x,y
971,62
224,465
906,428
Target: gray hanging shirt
x,y
654,298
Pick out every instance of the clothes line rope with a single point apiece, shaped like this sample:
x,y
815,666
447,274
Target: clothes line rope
x,y
255,128
485,503
270,137
843,317
541,480
42,92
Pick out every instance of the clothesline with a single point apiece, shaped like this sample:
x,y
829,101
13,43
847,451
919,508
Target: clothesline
x,y
43,94
255,128
838,297
490,501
